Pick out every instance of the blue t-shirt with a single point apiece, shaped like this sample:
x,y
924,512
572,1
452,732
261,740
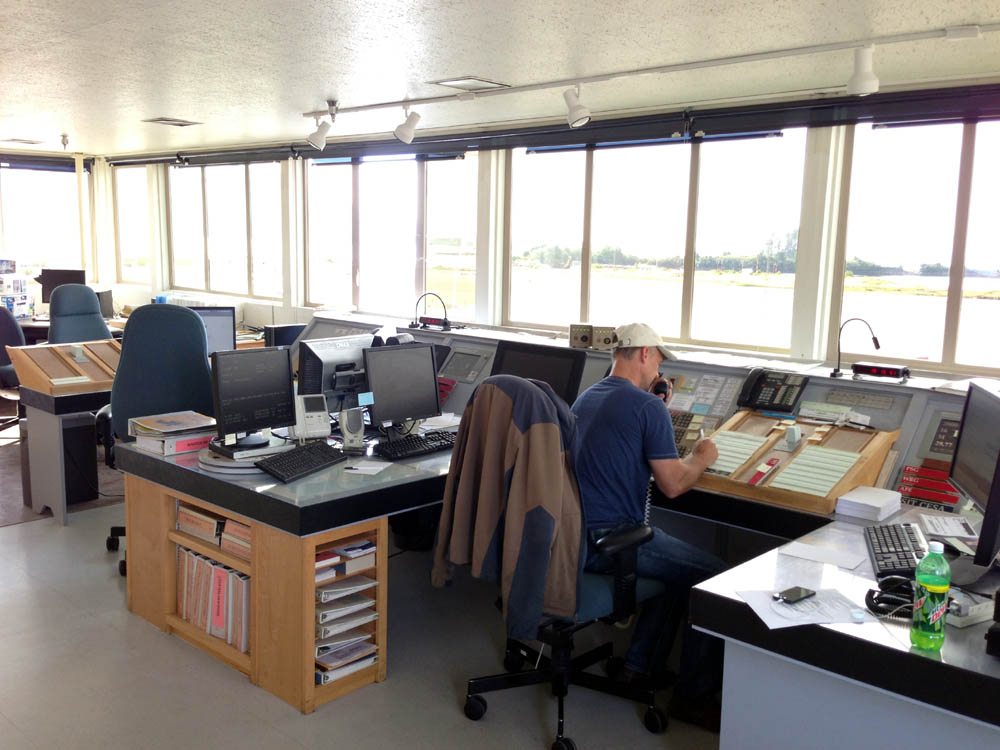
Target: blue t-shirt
x,y
620,428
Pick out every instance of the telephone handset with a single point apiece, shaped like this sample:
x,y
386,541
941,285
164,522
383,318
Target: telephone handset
x,y
772,390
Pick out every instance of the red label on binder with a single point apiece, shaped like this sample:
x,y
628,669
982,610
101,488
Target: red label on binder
x,y
937,497
927,484
920,471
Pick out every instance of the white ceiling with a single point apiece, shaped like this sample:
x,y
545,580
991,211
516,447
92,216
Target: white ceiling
x,y
249,69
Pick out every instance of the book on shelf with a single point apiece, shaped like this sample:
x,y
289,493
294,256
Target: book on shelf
x,y
171,445
237,529
199,523
202,593
339,640
219,603
325,677
235,546
346,568
356,549
344,624
172,423
326,558
338,657
345,605
343,587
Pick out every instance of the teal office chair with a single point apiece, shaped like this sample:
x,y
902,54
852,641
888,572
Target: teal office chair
x,y
75,315
163,368
10,335
506,434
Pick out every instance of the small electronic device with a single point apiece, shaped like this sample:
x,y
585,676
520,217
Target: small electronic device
x,y
560,368
793,594
581,335
352,428
312,420
772,390
603,338
465,366
897,372
220,327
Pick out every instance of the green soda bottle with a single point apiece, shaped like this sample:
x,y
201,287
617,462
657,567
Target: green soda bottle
x,y
930,600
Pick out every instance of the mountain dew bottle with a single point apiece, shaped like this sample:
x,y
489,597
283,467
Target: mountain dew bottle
x,y
930,600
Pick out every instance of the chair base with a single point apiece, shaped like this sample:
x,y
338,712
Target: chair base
x,y
561,671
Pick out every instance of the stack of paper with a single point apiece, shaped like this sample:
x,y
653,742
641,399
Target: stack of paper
x,y
871,503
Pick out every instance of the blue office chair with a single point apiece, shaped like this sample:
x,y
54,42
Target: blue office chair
x,y
512,510
10,335
163,368
75,315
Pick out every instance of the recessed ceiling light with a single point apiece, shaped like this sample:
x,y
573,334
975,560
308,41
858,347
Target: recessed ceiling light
x,y
22,141
470,83
172,121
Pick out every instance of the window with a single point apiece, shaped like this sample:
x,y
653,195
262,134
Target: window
x,y
388,230
749,202
329,234
546,236
215,245
900,232
41,219
981,285
452,194
638,229
132,223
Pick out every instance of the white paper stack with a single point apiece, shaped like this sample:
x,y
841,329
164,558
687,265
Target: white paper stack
x,y
871,503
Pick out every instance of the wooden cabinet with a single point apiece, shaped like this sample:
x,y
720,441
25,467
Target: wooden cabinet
x,y
282,574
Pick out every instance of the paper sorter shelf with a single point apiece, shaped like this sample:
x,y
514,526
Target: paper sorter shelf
x,y
735,449
815,470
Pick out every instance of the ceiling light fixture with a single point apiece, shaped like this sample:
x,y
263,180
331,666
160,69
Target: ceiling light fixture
x,y
317,139
576,114
864,81
406,129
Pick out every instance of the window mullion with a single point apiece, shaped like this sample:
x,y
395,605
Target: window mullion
x,y
420,244
246,212
204,232
956,276
356,232
687,289
588,204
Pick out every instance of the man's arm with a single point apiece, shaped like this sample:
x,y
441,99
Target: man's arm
x,y
674,477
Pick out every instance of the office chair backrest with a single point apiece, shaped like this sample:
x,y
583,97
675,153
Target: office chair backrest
x,y
10,335
75,315
163,367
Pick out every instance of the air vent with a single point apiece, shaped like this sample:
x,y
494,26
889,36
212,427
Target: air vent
x,y
22,141
172,121
470,83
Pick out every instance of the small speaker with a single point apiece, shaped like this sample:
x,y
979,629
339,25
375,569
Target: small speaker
x,y
604,337
581,335
352,428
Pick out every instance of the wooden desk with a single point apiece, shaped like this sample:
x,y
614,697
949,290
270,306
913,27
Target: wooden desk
x,y
834,686
38,330
288,523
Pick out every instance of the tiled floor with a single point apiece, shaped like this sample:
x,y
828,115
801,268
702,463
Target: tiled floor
x,y
78,671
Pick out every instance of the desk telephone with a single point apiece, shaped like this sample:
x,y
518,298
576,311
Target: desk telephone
x,y
771,390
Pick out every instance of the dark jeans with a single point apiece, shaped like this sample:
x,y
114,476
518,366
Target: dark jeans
x,y
680,566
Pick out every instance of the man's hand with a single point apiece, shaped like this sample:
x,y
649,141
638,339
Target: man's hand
x,y
705,452
662,388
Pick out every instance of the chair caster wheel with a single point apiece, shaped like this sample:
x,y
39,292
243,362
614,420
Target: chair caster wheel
x,y
475,707
513,661
655,720
564,743
122,568
111,543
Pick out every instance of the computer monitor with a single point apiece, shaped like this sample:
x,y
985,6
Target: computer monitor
x,y
282,335
975,471
50,278
252,390
560,368
334,367
220,327
322,327
107,303
403,383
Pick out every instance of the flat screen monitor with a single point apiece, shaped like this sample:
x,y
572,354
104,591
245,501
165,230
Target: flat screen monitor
x,y
252,390
282,335
50,278
336,368
975,468
107,303
220,327
403,383
321,327
560,368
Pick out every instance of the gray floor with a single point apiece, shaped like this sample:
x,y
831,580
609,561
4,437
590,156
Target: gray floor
x,y
78,671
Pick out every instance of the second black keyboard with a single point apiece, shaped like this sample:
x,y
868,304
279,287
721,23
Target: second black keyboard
x,y
301,461
415,445
895,548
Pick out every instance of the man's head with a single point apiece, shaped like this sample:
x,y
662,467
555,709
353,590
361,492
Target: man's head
x,y
639,349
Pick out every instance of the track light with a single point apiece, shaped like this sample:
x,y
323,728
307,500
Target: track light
x,y
864,81
576,114
318,139
405,130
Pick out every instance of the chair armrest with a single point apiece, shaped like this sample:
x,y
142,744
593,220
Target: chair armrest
x,y
612,544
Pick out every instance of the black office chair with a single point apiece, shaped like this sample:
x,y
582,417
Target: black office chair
x,y
486,484
10,335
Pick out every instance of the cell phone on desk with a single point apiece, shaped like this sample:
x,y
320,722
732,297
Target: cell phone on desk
x,y
794,594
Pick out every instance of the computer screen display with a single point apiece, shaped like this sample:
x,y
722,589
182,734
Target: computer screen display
x,y
403,383
975,467
106,298
560,368
252,389
220,327
334,367
50,278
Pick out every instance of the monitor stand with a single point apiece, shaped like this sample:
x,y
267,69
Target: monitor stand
x,y
964,572
257,446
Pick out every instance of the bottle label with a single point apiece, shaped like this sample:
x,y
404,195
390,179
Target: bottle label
x,y
930,606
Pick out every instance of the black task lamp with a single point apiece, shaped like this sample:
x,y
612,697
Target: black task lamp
x,y
836,372
426,322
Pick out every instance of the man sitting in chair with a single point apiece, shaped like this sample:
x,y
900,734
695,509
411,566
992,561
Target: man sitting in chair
x,y
624,435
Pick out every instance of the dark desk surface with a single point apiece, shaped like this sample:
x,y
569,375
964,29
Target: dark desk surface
x,y
38,330
965,681
70,403
325,500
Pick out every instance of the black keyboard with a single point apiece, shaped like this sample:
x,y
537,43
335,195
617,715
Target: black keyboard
x,y
895,548
415,445
301,461
681,420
